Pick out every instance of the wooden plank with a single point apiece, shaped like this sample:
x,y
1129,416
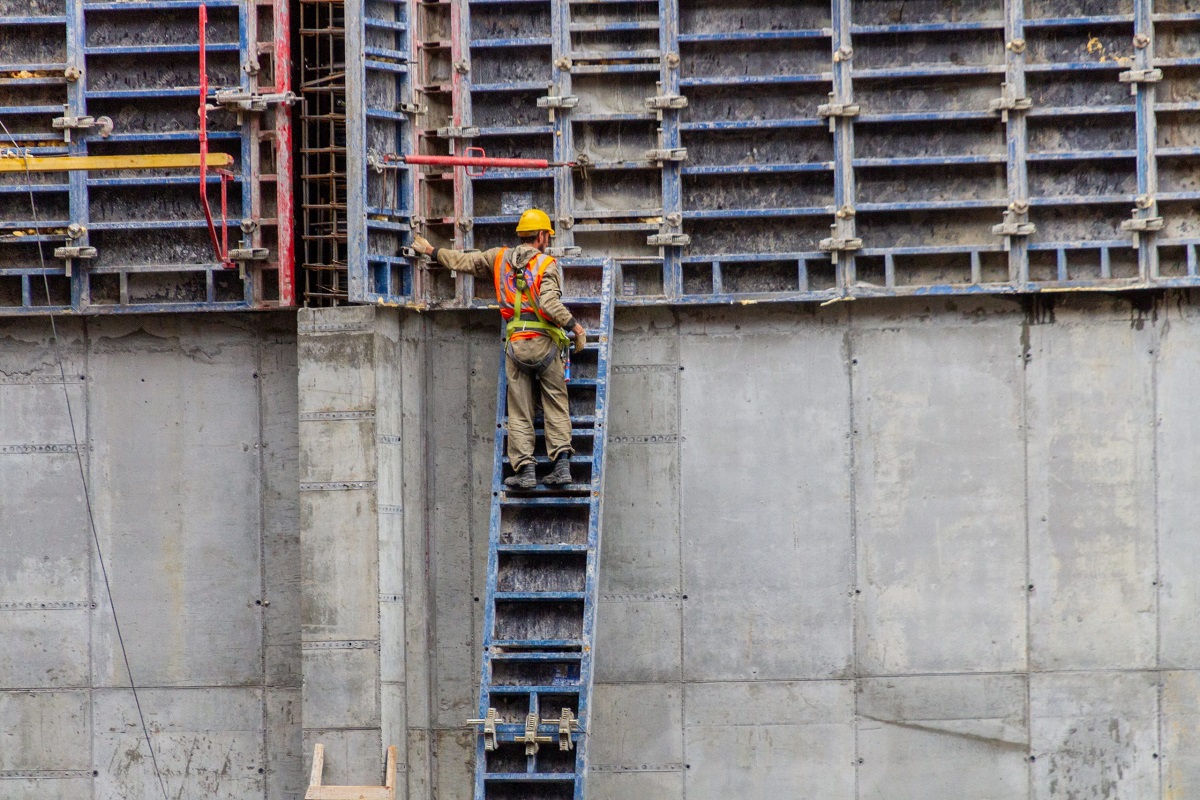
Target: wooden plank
x,y
318,791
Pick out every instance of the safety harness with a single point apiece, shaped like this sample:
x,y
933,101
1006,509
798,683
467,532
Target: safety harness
x,y
517,289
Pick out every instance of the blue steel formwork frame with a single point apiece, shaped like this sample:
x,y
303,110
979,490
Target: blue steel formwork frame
x,y
128,87
543,565
940,174
379,105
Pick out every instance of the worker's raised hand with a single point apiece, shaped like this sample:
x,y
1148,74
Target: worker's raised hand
x,y
580,338
422,245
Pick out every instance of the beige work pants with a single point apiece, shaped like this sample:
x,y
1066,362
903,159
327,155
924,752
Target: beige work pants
x,y
522,401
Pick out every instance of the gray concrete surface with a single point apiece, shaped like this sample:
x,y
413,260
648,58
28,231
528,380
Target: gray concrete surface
x,y
188,427
880,551
877,551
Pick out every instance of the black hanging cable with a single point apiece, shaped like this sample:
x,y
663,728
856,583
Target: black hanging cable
x,y
87,499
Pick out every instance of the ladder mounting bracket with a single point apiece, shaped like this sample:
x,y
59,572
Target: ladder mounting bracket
x,y
488,724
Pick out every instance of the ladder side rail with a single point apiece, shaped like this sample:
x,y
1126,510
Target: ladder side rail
x,y
596,514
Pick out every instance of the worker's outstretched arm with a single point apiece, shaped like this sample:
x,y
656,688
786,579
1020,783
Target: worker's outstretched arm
x,y
477,264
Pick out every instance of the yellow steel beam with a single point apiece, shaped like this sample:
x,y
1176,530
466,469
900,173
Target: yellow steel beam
x,y
12,162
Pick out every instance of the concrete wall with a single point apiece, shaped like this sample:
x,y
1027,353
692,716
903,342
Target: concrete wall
x,y
905,549
188,429
878,550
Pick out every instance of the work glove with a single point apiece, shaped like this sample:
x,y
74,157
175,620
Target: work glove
x,y
422,245
580,338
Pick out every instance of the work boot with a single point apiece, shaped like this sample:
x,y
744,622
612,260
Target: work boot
x,y
525,478
561,475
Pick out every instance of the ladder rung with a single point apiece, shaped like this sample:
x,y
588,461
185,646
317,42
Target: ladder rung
x,y
575,459
577,422
529,777
542,548
539,596
534,500
534,689
552,491
527,656
535,643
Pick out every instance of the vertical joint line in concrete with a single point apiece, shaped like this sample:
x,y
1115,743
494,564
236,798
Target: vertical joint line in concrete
x,y
1155,358
679,440
1017,137
852,516
263,639
1023,343
844,226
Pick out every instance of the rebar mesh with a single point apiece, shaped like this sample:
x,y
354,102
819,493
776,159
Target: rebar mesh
x,y
323,152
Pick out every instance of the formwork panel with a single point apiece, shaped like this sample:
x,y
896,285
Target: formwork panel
x,y
87,78
772,150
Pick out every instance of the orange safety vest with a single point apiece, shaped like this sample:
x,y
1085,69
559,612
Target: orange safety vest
x,y
510,297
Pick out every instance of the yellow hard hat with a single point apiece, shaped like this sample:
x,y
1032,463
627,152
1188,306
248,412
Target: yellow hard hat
x,y
534,220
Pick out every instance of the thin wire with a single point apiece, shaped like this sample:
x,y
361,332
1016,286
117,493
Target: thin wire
x,y
87,499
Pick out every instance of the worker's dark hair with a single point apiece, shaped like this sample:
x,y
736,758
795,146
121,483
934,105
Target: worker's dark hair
x,y
528,237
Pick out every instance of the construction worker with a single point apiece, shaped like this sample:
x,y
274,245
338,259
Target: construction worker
x,y
529,290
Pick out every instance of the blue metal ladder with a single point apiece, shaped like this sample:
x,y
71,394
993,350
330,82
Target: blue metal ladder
x,y
540,618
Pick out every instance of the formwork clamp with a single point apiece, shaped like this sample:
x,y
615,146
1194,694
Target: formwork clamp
x,y
1007,102
531,738
457,132
556,101
563,252
664,102
248,254
669,240
71,252
75,251
833,111
66,124
840,244
1139,225
1135,76
488,731
1012,226
239,101
669,154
